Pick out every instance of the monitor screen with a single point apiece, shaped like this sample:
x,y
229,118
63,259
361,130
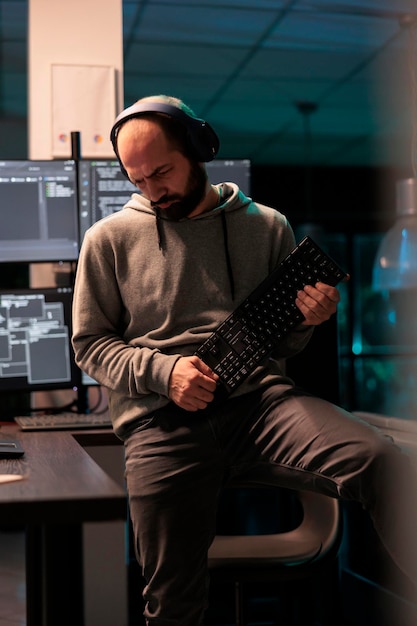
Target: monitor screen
x,y
87,381
103,189
230,170
38,211
35,340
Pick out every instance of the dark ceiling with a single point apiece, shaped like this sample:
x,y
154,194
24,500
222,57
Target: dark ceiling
x,y
246,65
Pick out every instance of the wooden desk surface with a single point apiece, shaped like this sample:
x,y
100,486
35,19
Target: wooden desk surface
x,y
63,484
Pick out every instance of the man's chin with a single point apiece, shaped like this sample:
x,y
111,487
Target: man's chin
x,y
175,211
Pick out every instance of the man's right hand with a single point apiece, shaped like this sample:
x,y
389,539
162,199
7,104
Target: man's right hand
x,y
192,383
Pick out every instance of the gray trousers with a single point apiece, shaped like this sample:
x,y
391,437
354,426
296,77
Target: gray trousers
x,y
177,462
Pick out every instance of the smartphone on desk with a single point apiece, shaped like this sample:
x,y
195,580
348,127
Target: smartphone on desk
x,y
10,449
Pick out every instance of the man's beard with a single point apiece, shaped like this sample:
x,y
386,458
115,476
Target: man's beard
x,y
182,206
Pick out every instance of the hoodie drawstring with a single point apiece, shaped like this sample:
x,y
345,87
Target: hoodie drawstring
x,y
159,230
227,253
160,234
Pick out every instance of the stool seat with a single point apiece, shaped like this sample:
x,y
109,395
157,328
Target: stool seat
x,y
304,553
313,537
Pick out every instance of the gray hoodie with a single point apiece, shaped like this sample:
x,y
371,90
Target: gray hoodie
x,y
149,290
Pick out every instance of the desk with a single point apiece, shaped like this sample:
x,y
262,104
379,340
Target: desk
x,y
65,488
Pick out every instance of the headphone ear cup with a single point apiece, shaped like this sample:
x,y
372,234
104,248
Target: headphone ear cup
x,y
204,142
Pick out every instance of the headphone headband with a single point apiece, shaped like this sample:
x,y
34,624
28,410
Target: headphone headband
x,y
203,142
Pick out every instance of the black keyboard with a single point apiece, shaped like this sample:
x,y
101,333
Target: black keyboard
x,y
67,420
254,329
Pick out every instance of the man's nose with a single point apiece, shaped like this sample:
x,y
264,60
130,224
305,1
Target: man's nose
x,y
155,190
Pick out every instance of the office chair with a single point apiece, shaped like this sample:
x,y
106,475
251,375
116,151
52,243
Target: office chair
x,y
305,553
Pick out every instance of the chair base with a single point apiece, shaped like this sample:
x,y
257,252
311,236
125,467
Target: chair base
x,y
312,601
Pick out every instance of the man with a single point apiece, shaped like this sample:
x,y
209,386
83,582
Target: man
x,y
153,281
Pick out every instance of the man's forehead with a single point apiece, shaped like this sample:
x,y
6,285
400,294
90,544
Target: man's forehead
x,y
144,150
142,140
144,128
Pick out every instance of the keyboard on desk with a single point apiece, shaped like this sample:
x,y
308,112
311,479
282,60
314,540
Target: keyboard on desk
x,y
66,420
267,315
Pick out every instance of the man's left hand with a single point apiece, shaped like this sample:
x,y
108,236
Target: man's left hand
x,y
317,303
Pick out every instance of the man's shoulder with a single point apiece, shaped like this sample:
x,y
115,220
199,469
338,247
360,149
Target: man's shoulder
x,y
270,212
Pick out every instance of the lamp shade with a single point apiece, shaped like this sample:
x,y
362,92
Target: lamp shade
x,y
395,265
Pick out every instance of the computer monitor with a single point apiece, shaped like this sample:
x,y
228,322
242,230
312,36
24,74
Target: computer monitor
x,y
38,211
88,381
103,189
35,340
230,170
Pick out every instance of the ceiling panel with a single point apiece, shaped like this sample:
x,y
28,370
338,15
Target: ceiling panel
x,y
236,26
245,64
182,59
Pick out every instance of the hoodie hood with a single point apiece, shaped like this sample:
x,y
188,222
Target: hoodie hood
x,y
231,198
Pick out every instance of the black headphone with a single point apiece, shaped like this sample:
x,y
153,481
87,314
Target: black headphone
x,y
203,143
